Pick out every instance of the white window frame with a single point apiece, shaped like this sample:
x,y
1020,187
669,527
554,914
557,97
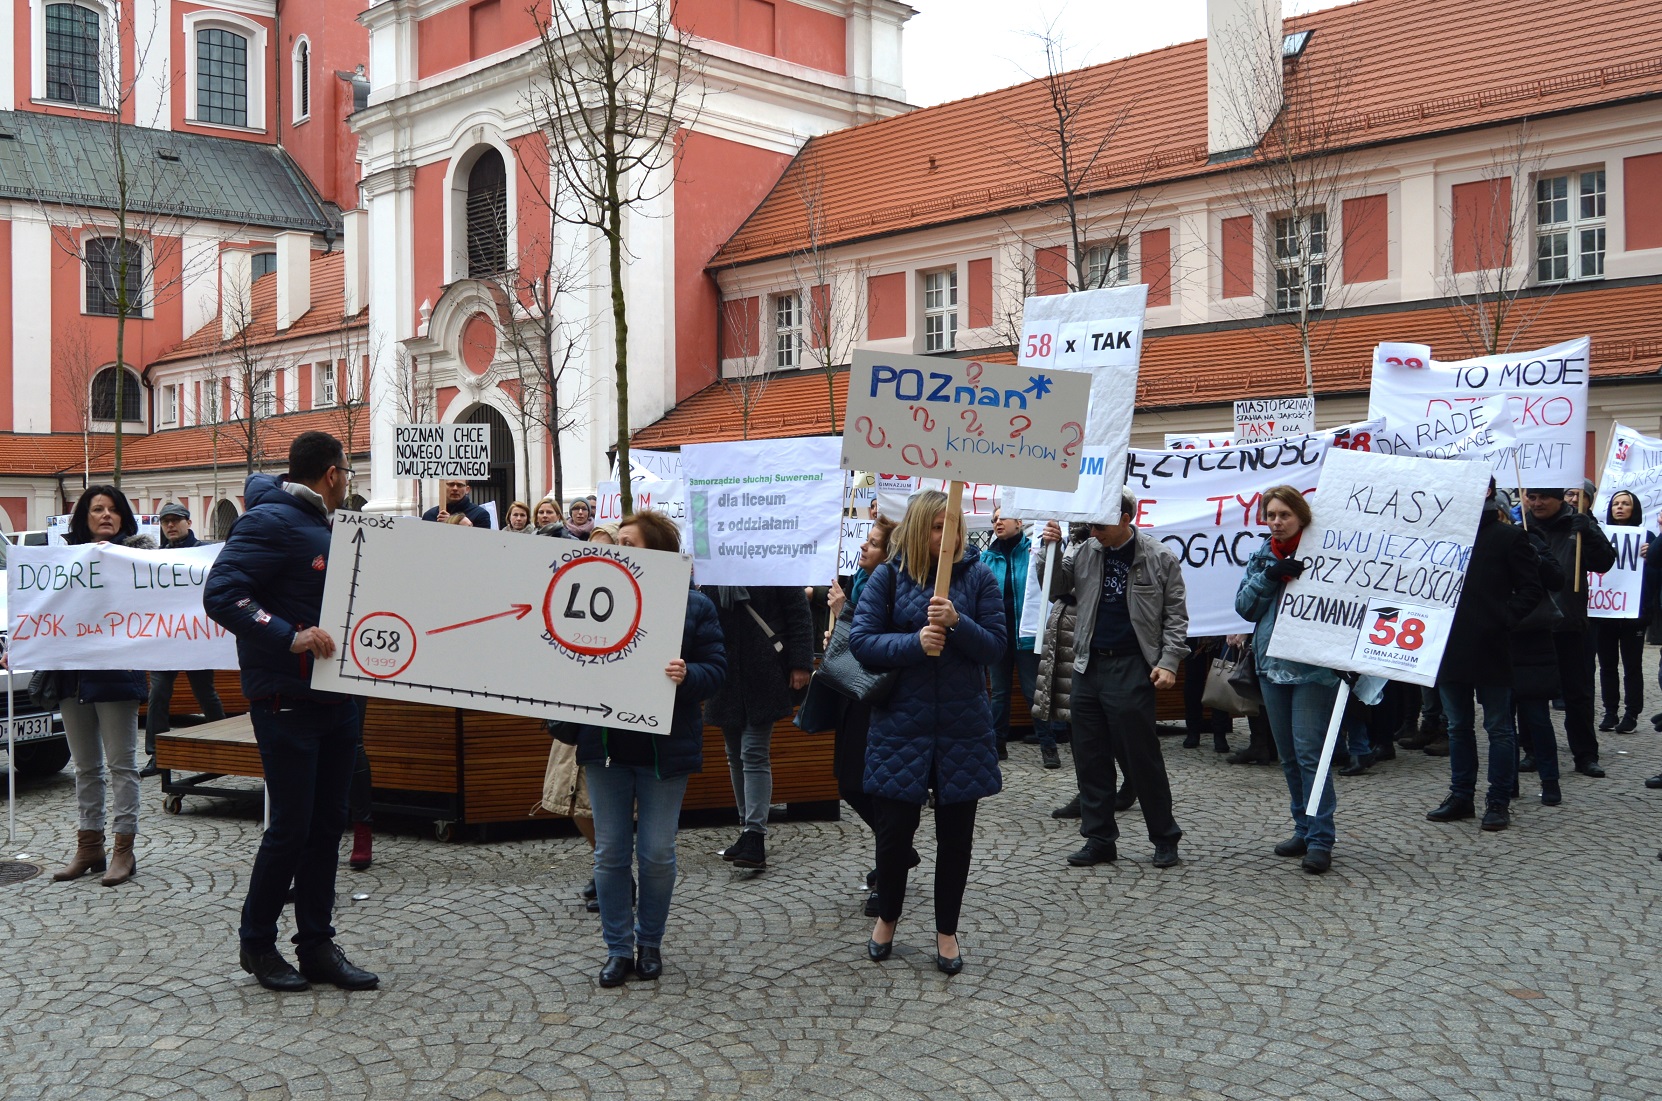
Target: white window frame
x,y
212,390
169,405
460,166
300,76
108,46
256,35
264,403
940,310
104,424
147,293
1108,264
1288,267
789,320
1585,212
323,387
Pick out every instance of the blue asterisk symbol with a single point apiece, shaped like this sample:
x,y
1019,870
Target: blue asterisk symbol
x,y
1038,385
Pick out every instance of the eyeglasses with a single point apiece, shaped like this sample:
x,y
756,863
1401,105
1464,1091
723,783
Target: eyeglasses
x,y
348,471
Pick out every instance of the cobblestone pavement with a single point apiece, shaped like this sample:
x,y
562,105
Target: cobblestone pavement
x,y
1432,962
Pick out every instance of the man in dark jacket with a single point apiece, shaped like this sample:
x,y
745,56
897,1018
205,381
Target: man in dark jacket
x,y
770,654
1501,587
266,588
1564,528
1131,632
176,534
456,500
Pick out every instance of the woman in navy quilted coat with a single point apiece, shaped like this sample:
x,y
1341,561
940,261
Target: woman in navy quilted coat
x,y
935,730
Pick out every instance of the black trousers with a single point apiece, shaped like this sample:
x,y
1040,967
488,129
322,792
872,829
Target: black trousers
x,y
1620,641
848,761
1113,715
1195,717
1575,673
359,800
897,825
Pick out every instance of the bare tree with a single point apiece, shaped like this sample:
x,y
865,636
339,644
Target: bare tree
x,y
835,305
75,363
1294,182
415,398
141,261
352,360
613,88
1486,289
251,369
746,376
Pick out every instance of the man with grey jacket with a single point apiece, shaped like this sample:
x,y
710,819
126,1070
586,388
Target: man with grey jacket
x,y
1130,633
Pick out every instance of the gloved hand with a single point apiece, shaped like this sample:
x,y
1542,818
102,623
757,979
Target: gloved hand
x,y
1285,569
1583,522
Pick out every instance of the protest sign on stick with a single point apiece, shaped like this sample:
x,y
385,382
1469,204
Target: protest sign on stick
x,y
1192,441
981,499
650,495
1385,559
1267,418
549,628
1545,390
103,606
448,451
964,420
764,512
1633,464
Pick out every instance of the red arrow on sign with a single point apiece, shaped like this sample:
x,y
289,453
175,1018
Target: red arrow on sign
x,y
518,611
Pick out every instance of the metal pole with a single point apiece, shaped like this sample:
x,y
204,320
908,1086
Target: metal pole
x,y
11,759
1333,723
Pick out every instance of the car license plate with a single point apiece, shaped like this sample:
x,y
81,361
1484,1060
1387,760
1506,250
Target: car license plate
x,y
31,727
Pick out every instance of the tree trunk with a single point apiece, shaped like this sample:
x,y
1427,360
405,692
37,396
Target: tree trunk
x,y
620,323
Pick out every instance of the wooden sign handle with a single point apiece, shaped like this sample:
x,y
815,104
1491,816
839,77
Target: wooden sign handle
x,y
949,544
1581,506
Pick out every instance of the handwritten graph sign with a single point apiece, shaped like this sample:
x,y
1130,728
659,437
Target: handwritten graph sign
x,y
551,628
111,607
1545,390
1385,560
442,451
964,420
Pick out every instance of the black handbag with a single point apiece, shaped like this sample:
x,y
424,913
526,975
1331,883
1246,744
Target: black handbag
x,y
1545,616
822,708
48,687
1244,677
842,671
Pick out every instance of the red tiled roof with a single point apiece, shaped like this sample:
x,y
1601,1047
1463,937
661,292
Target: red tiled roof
x,y
1204,368
325,315
1409,68
27,454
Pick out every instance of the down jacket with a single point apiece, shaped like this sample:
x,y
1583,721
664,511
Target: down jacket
x,y
1534,657
936,728
682,751
1053,694
267,584
1502,586
757,688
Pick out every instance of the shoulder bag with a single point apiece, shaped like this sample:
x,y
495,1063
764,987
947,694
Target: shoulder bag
x,y
842,671
1221,692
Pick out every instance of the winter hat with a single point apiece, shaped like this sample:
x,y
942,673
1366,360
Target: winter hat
x,y
172,509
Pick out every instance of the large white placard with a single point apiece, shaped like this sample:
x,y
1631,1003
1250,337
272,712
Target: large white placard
x,y
551,628
665,466
1100,332
102,606
848,551
765,512
646,494
981,499
449,451
1385,560
1267,418
1204,506
1615,593
1190,441
1545,390
1633,463
965,420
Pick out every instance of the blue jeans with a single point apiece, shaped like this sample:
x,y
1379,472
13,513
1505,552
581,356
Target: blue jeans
x,y
1298,715
1496,701
1024,666
618,794
1538,738
750,768
308,750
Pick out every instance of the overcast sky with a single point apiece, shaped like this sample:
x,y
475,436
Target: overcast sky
x,y
957,48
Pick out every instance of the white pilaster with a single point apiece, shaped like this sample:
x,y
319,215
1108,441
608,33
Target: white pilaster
x,y
1422,267
199,294
153,83
32,263
391,319
8,50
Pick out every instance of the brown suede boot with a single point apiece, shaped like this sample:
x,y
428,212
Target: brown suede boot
x,y
89,856
122,865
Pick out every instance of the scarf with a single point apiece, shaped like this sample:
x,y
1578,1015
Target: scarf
x,y
730,596
583,530
1287,549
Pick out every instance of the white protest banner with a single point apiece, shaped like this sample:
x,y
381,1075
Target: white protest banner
x,y
861,490
647,494
964,420
1268,418
103,606
1385,560
1096,497
1100,332
1204,506
1178,441
442,451
1546,391
765,512
1481,432
664,466
980,498
1615,593
550,628
1633,464
848,549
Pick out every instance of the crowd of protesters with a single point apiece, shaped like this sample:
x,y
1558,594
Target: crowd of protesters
x,y
929,728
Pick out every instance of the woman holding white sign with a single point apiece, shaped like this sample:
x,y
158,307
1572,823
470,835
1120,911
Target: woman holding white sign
x,y
100,716
637,781
935,728
1621,642
1298,698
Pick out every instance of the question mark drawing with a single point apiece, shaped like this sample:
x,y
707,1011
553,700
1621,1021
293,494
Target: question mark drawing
x,y
1026,423
913,454
864,424
925,419
973,370
974,421
1070,449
